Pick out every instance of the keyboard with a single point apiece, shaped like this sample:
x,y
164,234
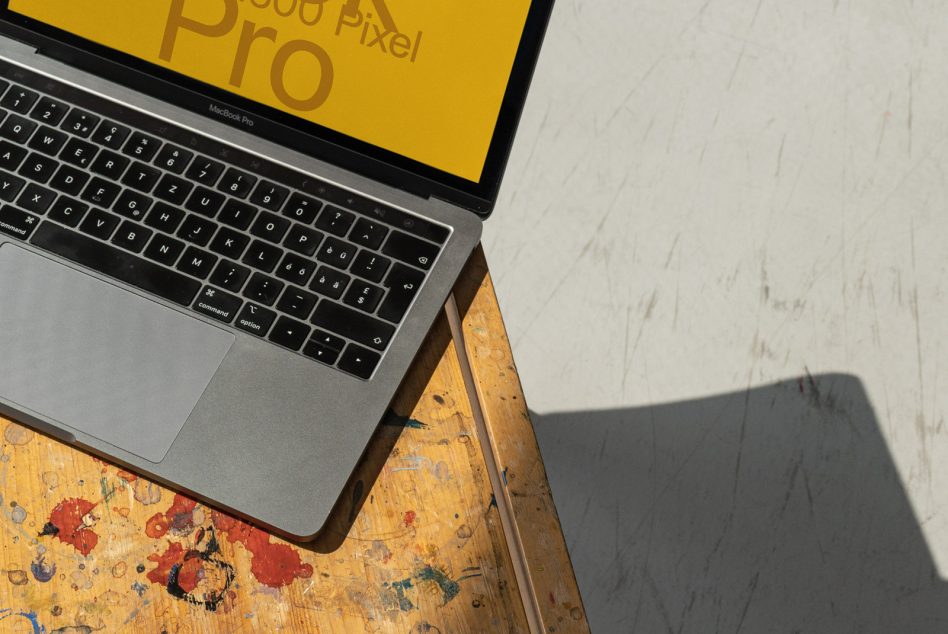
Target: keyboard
x,y
246,242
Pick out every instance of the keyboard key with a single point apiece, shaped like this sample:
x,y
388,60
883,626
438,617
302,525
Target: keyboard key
x,y
38,167
329,341
269,195
110,134
262,256
295,269
370,266
353,324
297,303
217,304
263,289
164,249
80,122
10,186
230,276
402,284
302,208
270,227
407,222
116,263
205,202
19,99
100,224
205,171
197,262
49,111
36,199
329,282
141,146
255,319
68,211
321,353
363,296
337,253
335,221
368,233
48,141
16,222
78,152
237,214
3,86
410,250
359,361
11,155
132,205
237,183
197,230
101,192
289,333
173,189
303,240
132,236
142,177
164,218
229,243
17,129
173,158
69,180
110,164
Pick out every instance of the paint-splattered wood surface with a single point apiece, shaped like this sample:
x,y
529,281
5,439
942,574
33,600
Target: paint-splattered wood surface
x,y
415,545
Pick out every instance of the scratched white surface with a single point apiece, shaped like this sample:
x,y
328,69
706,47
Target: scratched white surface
x,y
708,197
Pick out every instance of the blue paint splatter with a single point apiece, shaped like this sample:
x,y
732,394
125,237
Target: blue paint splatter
x,y
449,588
42,571
504,474
139,588
7,613
404,603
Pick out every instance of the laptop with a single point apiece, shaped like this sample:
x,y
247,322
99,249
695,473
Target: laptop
x,y
226,227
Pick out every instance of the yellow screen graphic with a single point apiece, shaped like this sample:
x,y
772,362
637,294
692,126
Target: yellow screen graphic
x,y
422,78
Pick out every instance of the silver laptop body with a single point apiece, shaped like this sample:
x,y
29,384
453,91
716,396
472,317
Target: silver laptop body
x,y
233,419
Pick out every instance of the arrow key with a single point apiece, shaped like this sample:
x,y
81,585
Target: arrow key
x,y
289,333
325,354
359,361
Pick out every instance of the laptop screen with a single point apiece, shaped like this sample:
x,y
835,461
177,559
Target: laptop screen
x,y
424,80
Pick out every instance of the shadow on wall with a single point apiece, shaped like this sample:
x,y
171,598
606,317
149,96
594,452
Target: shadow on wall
x,y
775,509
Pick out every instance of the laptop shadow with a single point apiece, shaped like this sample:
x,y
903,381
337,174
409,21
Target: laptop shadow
x,y
774,509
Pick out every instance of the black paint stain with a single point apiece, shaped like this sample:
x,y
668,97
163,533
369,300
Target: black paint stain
x,y
49,529
210,601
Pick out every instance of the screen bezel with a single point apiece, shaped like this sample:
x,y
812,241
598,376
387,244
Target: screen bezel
x,y
291,131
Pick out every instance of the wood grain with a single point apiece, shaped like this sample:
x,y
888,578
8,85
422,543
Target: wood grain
x,y
415,543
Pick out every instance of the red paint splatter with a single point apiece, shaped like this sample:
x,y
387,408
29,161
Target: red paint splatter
x,y
409,519
157,525
273,565
552,599
71,521
179,517
173,556
127,475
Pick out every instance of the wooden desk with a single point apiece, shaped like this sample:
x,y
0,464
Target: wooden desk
x,y
420,542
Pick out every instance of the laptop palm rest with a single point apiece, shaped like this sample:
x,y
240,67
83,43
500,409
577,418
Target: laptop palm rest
x,y
98,359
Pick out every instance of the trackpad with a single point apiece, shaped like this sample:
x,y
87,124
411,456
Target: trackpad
x,y
98,359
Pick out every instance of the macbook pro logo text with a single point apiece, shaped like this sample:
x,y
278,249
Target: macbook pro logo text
x,y
227,113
